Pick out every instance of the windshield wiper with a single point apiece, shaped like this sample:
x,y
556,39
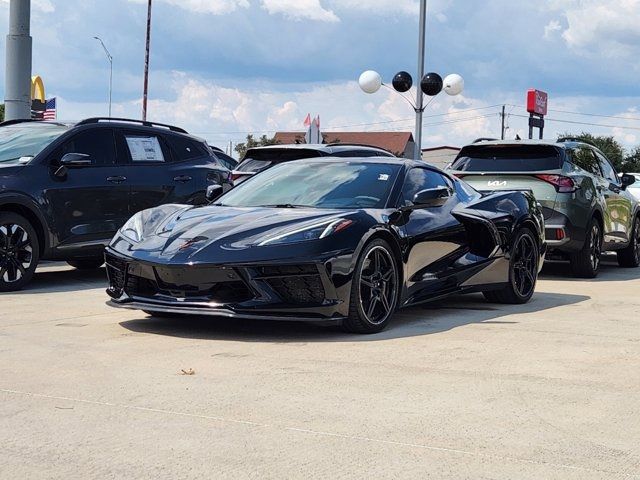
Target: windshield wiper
x,y
285,205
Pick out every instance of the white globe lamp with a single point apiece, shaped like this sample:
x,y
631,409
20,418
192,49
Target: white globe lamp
x,y
453,84
370,81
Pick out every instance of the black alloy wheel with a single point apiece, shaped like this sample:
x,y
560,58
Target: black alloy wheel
x,y
586,262
374,289
18,252
523,271
629,257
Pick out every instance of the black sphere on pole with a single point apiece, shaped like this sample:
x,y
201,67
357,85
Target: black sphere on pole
x,y
402,82
431,84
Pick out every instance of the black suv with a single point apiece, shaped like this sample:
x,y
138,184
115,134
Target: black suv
x,y
65,189
258,159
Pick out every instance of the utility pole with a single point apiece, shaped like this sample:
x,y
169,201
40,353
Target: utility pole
x,y
502,115
146,64
419,96
110,58
18,62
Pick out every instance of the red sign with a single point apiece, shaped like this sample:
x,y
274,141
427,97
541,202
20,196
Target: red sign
x,y
537,102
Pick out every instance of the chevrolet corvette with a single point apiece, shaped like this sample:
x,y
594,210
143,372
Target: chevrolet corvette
x,y
342,240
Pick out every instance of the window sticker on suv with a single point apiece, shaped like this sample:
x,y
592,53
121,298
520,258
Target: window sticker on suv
x,y
145,149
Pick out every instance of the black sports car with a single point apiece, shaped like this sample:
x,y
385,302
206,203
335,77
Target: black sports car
x,y
349,240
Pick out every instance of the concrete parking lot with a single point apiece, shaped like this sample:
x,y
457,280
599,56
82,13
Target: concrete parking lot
x,y
458,389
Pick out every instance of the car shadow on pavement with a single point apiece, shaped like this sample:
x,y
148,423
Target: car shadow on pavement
x,y
428,319
53,280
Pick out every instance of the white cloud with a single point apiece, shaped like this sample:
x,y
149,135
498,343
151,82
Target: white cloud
x,y
215,7
551,29
300,9
409,7
42,5
596,27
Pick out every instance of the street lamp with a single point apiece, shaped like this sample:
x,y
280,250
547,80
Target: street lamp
x,y
431,84
110,58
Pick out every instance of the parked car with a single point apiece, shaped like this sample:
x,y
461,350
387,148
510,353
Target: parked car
x,y
587,205
635,188
225,160
66,188
258,159
329,239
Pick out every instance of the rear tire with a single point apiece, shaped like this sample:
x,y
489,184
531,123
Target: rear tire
x,y
586,262
629,257
374,289
19,252
523,271
86,263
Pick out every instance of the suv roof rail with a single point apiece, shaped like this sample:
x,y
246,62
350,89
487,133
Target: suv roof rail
x,y
173,128
576,139
484,139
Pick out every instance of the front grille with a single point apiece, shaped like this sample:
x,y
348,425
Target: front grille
x,y
116,273
294,284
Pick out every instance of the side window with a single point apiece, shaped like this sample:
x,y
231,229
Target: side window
x,y
185,148
585,159
145,148
98,143
418,179
607,169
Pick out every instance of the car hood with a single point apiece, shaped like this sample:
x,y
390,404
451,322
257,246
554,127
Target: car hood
x,y
228,234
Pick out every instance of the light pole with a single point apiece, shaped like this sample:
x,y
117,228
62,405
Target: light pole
x,y
145,89
431,84
110,58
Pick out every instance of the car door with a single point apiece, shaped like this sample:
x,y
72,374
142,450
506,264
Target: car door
x,y
431,233
619,204
88,203
150,173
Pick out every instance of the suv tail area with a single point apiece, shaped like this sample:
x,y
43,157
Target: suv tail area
x,y
569,180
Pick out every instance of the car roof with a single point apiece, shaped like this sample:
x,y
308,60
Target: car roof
x,y
562,143
371,160
320,147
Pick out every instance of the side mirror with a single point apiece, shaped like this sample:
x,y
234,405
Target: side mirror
x,y
432,197
627,180
75,160
213,192
72,160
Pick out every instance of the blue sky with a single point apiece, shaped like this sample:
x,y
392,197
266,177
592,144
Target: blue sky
x,y
223,68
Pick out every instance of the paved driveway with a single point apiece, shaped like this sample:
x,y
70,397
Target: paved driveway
x,y
459,389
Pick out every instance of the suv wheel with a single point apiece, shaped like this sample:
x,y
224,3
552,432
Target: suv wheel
x,y
586,262
19,252
86,263
523,271
630,256
374,289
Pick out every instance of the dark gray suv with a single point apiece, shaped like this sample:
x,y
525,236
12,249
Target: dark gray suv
x,y
586,205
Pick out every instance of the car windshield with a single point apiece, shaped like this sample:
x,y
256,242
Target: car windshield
x,y
23,141
507,159
317,184
261,158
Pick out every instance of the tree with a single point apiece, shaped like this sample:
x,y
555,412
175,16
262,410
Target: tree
x,y
251,142
632,161
1,112
607,145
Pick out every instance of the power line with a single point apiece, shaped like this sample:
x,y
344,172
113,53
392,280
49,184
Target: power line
x,y
620,117
560,120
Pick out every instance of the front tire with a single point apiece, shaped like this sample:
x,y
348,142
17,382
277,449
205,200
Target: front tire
x,y
523,271
629,257
19,252
586,262
374,289
86,263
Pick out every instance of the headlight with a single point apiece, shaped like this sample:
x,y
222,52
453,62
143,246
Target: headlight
x,y
310,232
133,228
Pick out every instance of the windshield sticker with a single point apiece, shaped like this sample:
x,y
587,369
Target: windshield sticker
x,y
383,177
145,149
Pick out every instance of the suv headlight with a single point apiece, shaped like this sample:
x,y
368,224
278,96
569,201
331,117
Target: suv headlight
x,y
310,232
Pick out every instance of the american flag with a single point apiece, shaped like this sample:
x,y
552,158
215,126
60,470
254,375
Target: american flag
x,y
50,109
